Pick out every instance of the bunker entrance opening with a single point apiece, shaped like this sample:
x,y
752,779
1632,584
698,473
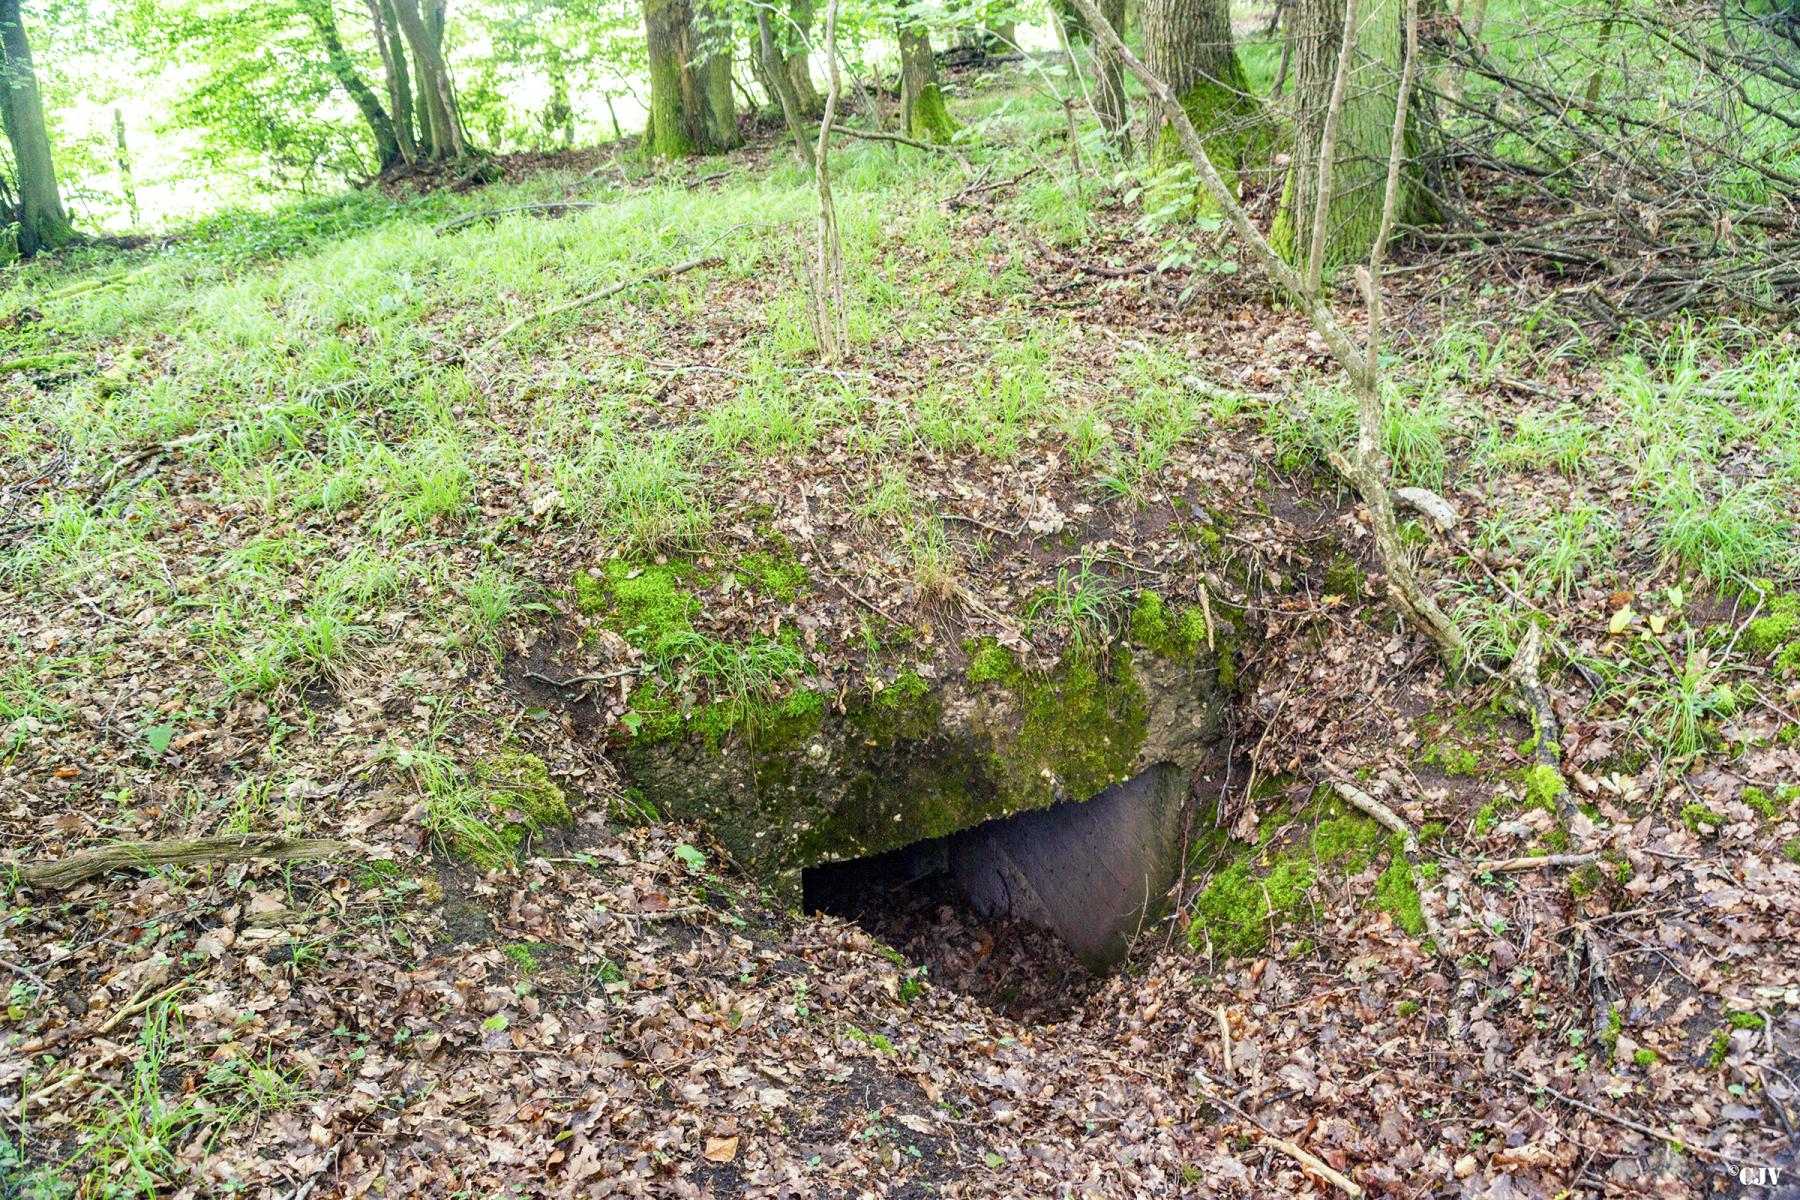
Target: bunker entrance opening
x,y
1025,912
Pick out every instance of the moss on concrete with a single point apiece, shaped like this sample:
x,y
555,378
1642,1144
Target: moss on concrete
x,y
1172,634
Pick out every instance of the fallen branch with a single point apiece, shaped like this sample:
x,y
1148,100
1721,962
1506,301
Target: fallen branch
x,y
40,362
575,680
873,136
682,268
1661,1135
1534,862
1316,1165
1546,751
86,864
494,214
139,1005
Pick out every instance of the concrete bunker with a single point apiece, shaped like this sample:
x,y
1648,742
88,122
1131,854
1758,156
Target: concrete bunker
x,y
1089,872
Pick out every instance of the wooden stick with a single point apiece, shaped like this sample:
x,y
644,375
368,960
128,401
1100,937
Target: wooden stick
x,y
139,1005
1532,862
1225,1038
692,264
1315,1165
494,214
873,136
1661,1135
86,864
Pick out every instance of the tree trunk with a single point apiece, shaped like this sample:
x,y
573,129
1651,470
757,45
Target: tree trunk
x,y
922,109
1109,79
681,115
324,21
43,224
1187,43
776,78
424,32
1358,170
799,58
715,70
126,184
393,69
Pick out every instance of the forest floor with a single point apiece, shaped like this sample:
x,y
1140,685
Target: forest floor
x,y
296,515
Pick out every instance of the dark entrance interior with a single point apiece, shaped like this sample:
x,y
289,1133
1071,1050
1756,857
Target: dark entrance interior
x,y
1024,912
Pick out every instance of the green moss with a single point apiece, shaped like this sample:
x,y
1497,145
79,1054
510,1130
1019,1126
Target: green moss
x,y
590,594
1452,759
1397,894
1344,577
778,575
1586,881
1431,831
650,602
1544,786
1407,1008
1697,817
525,955
930,119
1227,667
1346,839
1231,125
990,662
1615,1025
1790,850
516,790
1770,805
1746,1020
1491,814
1170,634
906,708
1083,723
1237,910
1779,626
1721,1046
1645,1057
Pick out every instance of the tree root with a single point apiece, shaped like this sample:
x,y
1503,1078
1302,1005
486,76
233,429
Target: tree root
x,y
86,864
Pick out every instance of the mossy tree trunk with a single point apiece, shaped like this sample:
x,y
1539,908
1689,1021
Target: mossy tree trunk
x,y
1187,43
1364,130
1109,79
381,126
393,68
774,75
922,108
423,28
42,221
794,42
682,120
715,69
